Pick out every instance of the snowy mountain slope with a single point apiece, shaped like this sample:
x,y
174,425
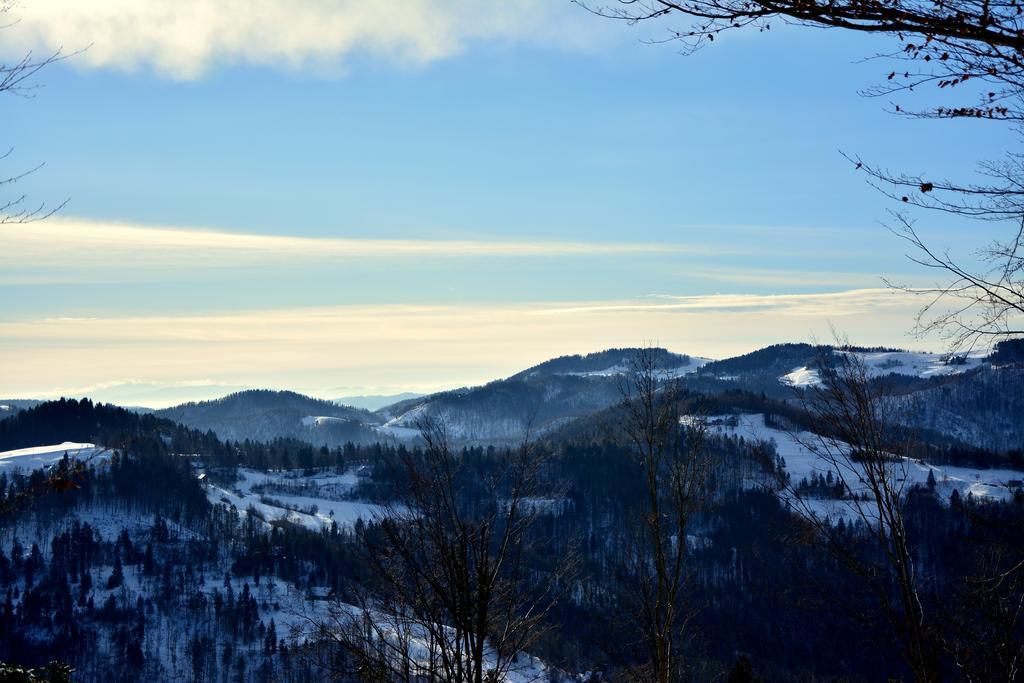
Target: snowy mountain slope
x,y
36,457
556,392
509,409
612,362
315,502
966,398
534,401
801,377
797,449
376,401
770,360
984,408
920,364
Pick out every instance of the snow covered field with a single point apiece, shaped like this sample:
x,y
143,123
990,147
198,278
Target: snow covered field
x,y
403,426
801,377
296,613
803,463
315,502
879,364
320,420
696,363
25,459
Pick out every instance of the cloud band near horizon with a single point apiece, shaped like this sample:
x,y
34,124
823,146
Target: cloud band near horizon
x,y
80,245
418,346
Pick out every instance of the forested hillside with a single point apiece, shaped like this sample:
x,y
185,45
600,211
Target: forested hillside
x,y
187,557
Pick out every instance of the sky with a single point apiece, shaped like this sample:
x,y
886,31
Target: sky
x,y
355,198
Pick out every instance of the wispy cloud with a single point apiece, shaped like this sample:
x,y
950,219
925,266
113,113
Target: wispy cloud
x,y
136,392
844,303
779,277
407,345
72,246
185,39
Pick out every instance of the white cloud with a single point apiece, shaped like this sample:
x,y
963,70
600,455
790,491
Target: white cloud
x,y
185,38
763,277
418,345
62,249
845,303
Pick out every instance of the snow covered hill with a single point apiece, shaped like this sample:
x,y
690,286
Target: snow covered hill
x,y
550,395
36,457
535,401
611,363
908,363
508,410
984,408
316,502
804,463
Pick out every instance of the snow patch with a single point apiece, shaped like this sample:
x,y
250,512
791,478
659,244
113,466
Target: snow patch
x,y
623,368
318,420
38,457
801,377
920,364
315,502
917,363
801,462
909,363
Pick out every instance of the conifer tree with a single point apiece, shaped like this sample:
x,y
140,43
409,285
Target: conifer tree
x,y
117,576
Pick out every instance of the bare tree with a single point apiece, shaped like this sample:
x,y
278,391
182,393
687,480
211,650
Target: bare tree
x,y
952,45
669,450
970,54
455,596
866,453
986,618
16,78
968,304
976,626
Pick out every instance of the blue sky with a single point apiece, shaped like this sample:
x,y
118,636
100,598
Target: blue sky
x,y
471,170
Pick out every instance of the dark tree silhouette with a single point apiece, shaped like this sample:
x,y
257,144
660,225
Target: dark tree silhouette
x,y
951,44
859,446
458,599
675,467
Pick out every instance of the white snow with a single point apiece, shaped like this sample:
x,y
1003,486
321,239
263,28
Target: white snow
x,y
43,456
803,463
881,363
278,499
402,633
402,426
695,364
917,363
801,377
318,420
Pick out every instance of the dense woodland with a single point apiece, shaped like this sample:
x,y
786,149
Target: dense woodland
x,y
132,573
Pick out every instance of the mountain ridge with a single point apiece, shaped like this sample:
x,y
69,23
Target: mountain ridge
x,y
546,397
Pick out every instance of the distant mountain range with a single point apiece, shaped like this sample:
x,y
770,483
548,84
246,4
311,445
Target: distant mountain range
x,y
376,401
974,398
